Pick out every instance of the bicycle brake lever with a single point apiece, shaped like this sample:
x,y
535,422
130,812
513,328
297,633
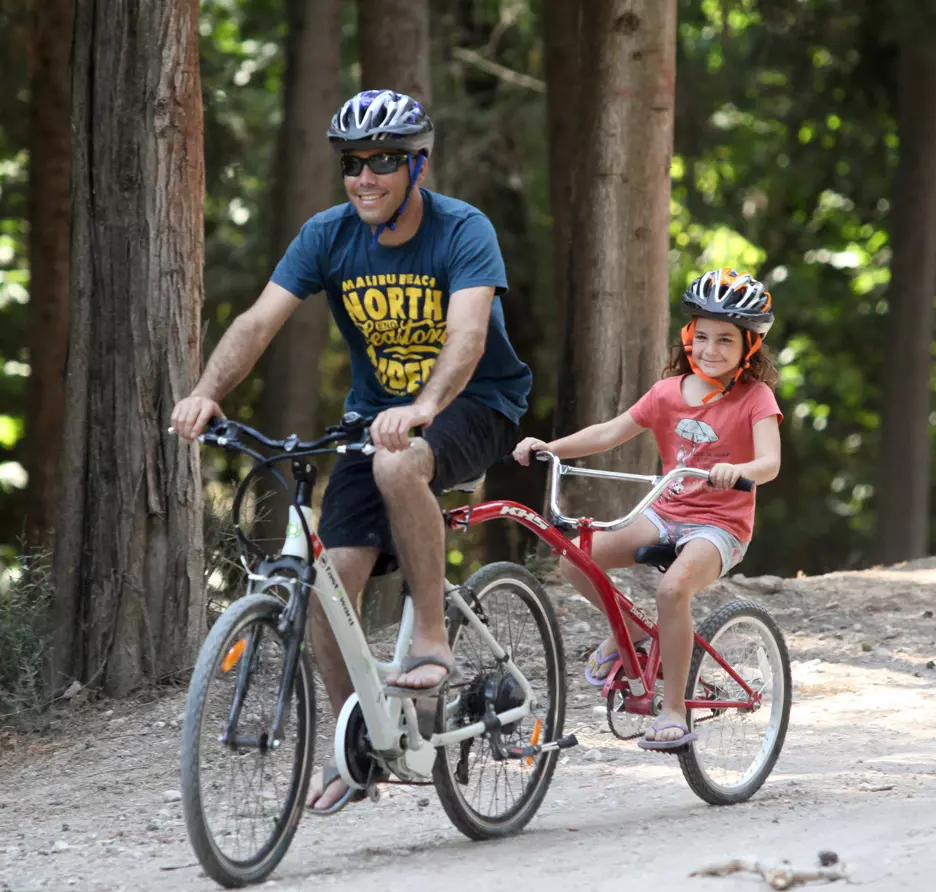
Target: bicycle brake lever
x,y
363,448
200,437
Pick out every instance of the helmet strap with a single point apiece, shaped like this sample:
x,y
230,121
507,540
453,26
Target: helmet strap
x,y
415,168
752,342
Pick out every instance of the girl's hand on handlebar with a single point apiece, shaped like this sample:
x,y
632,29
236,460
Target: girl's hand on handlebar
x,y
190,416
526,447
724,475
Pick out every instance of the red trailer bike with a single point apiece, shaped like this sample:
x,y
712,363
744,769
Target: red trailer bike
x,y
739,689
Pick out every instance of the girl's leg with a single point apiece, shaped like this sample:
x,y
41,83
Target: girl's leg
x,y
611,549
699,564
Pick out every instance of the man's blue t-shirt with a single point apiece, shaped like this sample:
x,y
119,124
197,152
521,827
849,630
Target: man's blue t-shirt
x,y
391,303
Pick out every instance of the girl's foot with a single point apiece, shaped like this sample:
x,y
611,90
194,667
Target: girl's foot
x,y
601,662
668,732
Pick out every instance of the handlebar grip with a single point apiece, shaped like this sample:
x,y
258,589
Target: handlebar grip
x,y
745,484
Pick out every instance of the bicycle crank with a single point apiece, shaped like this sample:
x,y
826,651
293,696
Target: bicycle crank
x,y
529,751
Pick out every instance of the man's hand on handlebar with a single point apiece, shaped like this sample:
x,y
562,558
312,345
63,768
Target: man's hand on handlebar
x,y
724,475
190,416
526,447
391,428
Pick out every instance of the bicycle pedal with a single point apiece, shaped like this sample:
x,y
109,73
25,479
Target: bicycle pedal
x,y
525,752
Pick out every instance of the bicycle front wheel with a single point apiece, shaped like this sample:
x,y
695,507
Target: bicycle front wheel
x,y
736,749
243,796
486,798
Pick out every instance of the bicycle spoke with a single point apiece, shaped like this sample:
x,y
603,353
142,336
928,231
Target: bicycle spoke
x,y
496,788
733,742
245,788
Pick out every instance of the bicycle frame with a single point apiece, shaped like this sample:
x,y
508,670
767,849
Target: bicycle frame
x,y
409,755
382,714
617,605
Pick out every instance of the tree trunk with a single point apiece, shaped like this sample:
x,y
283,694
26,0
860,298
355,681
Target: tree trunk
x,y
617,311
49,233
903,478
394,47
307,182
562,27
128,563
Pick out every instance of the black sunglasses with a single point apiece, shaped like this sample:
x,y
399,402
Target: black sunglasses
x,y
382,162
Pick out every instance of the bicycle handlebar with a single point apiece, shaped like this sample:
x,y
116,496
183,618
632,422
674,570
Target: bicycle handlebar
x,y
353,431
557,470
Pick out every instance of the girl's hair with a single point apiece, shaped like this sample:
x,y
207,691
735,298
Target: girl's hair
x,y
762,366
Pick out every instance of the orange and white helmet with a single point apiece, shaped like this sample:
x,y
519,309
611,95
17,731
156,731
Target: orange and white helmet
x,y
727,295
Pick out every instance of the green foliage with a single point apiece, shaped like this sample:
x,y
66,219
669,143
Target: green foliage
x,y
786,145
25,595
14,275
242,71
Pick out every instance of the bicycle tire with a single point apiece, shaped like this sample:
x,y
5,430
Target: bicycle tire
x,y
700,775
469,820
227,631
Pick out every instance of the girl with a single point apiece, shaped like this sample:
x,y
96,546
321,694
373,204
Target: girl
x,y
714,409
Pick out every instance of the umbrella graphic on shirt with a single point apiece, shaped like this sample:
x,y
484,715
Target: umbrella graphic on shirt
x,y
696,432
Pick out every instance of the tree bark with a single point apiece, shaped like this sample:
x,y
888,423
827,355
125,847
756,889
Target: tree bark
x,y
394,47
617,311
562,28
307,182
49,234
904,460
128,562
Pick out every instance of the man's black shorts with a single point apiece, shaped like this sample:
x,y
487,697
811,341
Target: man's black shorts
x,y
466,437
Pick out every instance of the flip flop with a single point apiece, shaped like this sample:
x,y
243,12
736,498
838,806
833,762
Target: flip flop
x,y
598,681
330,774
593,678
411,663
668,746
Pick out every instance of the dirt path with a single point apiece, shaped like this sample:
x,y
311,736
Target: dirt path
x,y
85,807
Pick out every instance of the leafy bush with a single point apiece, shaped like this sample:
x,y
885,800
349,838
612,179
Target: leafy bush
x,y
25,596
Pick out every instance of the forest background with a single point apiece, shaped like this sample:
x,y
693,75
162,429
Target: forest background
x,y
802,150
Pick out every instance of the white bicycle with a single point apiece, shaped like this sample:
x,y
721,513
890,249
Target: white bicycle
x,y
249,730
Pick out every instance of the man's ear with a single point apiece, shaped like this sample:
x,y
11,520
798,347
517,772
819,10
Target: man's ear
x,y
422,173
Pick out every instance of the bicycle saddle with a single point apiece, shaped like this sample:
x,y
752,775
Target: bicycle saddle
x,y
659,556
467,485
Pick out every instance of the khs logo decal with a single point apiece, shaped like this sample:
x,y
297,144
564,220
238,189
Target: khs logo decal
x,y
526,515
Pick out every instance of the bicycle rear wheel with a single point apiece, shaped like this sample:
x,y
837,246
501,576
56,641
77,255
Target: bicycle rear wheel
x,y
736,749
243,801
483,797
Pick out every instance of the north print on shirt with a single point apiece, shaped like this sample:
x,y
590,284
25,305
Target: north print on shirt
x,y
402,319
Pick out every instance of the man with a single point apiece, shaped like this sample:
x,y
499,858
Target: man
x,y
413,279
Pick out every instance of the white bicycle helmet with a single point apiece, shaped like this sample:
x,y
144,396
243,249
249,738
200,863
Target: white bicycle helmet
x,y
730,296
382,119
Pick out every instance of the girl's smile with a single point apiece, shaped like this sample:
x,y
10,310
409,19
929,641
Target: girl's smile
x,y
717,347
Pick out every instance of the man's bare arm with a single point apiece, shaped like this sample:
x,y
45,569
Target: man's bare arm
x,y
244,341
469,313
236,354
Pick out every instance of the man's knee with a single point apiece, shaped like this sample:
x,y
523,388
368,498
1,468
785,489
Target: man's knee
x,y
400,471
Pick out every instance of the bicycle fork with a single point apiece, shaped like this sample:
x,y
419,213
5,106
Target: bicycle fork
x,y
290,625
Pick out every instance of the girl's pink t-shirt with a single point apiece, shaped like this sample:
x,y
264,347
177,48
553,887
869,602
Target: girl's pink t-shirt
x,y
700,437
